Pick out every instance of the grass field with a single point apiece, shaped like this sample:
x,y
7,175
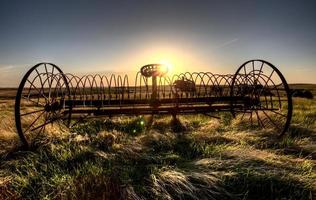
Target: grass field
x,y
196,157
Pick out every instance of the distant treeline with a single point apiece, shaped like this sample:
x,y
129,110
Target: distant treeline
x,y
303,93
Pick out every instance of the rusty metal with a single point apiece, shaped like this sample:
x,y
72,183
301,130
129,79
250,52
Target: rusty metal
x,y
257,92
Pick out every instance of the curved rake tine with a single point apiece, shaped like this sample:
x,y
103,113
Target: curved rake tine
x,y
42,93
259,120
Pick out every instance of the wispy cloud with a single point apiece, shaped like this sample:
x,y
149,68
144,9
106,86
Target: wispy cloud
x,y
229,42
6,68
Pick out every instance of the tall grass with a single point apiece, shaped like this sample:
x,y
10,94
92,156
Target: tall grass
x,y
194,157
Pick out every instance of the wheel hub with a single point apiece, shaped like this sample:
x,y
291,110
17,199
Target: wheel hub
x,y
51,107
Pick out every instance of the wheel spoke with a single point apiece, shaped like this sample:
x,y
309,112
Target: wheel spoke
x,y
46,73
44,124
36,111
36,103
42,84
38,133
276,126
42,93
242,116
259,120
266,83
28,128
279,113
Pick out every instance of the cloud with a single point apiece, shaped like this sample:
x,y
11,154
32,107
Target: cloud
x,y
6,68
9,76
229,42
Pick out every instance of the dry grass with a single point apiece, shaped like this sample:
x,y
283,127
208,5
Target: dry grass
x,y
8,136
173,184
196,157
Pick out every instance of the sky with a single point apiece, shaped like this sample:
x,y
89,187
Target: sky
x,y
121,36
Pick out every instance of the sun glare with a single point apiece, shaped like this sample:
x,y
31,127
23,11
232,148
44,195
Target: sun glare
x,y
166,66
171,67
175,59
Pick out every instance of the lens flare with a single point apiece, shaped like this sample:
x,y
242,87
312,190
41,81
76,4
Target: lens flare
x,y
166,66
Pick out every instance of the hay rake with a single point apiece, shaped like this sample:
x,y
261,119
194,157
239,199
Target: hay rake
x,y
257,93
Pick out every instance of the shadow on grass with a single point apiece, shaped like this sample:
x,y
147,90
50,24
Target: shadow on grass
x,y
260,179
250,185
299,131
177,126
132,127
289,144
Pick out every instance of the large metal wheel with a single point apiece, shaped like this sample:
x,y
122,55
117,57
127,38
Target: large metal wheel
x,y
267,100
40,101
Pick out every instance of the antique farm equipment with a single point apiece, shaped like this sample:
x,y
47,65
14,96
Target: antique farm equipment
x,y
257,93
